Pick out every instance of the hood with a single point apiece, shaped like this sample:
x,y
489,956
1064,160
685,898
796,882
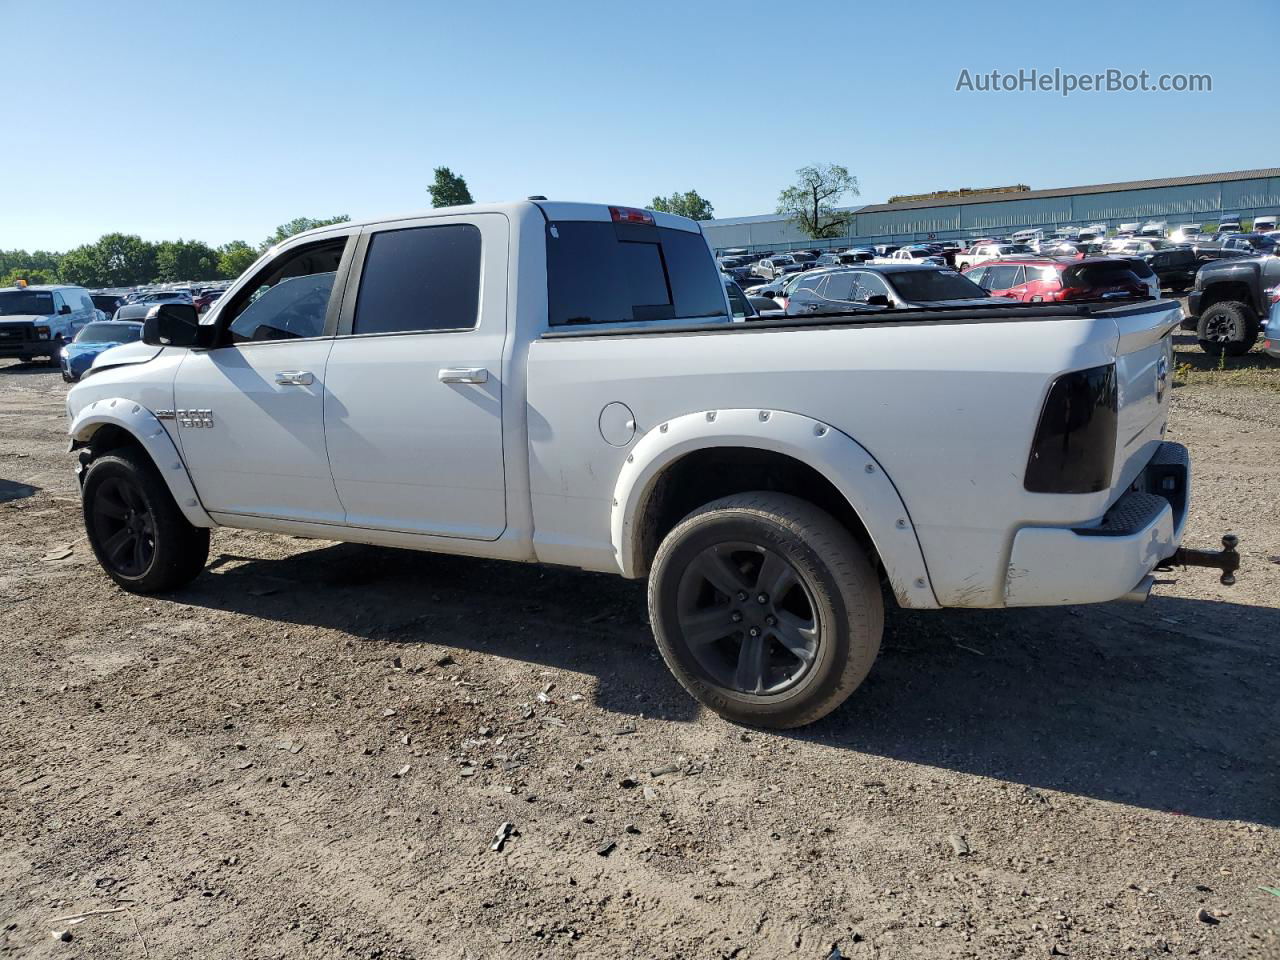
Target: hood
x,y
75,348
25,318
136,352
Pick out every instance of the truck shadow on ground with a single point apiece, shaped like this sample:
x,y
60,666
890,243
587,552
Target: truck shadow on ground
x,y
1170,706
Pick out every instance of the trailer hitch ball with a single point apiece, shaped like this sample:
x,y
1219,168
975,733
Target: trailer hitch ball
x,y
1227,559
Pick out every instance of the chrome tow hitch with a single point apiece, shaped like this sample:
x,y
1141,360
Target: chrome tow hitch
x,y
1227,559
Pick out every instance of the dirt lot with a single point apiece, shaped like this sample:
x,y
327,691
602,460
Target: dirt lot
x,y
307,754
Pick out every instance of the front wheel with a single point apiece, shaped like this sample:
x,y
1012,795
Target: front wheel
x,y
765,609
137,532
1227,326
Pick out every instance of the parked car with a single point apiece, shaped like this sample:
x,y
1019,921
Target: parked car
x,y
1144,272
1229,224
107,303
991,251
770,268
38,320
1045,280
1271,330
205,299
1250,243
1264,224
732,468
1174,266
885,287
93,340
1230,298
1093,232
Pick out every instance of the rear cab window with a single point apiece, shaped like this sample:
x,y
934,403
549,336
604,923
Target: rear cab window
x,y
629,272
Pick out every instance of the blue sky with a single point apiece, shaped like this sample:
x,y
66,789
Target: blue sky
x,y
217,121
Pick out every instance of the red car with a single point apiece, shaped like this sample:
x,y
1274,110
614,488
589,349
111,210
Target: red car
x,y
1045,279
205,299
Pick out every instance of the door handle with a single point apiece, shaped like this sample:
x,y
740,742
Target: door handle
x,y
463,375
295,378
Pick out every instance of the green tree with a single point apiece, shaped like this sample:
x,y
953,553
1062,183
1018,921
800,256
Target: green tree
x,y
31,276
688,204
235,258
186,260
811,201
40,260
298,225
448,189
116,260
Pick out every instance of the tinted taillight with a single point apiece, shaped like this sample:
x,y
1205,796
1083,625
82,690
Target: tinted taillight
x,y
1075,441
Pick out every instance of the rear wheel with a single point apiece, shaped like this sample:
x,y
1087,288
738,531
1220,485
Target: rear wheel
x,y
765,609
137,532
1227,327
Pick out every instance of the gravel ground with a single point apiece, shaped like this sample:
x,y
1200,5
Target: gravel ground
x,y
307,753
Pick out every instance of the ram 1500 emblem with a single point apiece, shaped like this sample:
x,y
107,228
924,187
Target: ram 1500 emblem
x,y
195,418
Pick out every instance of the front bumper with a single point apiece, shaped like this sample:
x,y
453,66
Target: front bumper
x,y
1107,559
28,349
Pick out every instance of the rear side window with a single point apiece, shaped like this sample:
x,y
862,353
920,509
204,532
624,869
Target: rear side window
x,y
420,279
614,273
1101,275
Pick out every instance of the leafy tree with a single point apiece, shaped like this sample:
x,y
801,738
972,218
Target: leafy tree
x,y
31,276
235,258
811,200
688,204
41,261
298,225
448,189
116,260
186,260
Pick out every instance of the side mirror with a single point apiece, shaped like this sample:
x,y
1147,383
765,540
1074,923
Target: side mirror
x,y
878,300
174,325
64,309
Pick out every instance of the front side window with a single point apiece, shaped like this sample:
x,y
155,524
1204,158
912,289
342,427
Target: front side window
x,y
289,299
1001,277
421,279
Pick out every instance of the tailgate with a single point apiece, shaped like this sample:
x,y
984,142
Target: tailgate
x,y
1144,377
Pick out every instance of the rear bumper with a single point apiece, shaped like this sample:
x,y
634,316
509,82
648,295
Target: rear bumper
x,y
1106,559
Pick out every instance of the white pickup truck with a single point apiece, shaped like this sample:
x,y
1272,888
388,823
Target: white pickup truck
x,y
563,383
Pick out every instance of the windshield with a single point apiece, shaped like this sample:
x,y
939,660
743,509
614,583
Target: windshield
x,y
109,333
17,303
1016,248
920,285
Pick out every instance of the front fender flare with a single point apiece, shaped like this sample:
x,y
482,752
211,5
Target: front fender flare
x,y
838,457
151,435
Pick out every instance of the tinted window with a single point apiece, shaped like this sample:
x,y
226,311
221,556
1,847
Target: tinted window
x,y
935,285
1045,274
738,301
610,273
977,274
808,283
1000,277
289,298
839,286
1101,275
423,278
870,285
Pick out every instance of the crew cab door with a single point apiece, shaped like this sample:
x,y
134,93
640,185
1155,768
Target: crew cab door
x,y
250,410
413,406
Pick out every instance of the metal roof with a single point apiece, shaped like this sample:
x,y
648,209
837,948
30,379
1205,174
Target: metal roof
x,y
1075,191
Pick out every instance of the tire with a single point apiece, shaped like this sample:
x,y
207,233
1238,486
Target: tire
x,y
1227,326
56,359
833,608
137,532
